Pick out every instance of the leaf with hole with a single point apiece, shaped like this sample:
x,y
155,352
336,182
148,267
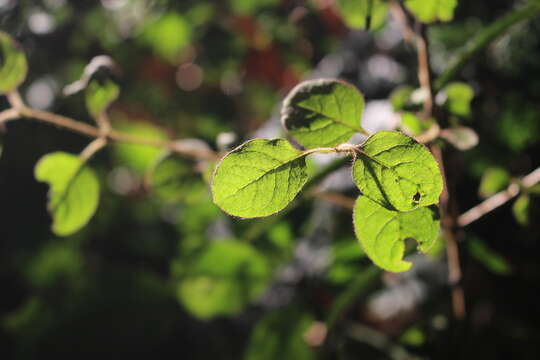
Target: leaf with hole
x,y
13,66
323,113
73,191
397,172
259,178
429,11
382,232
99,95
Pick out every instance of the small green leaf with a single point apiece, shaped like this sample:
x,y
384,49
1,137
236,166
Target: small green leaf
x,y
73,193
429,11
382,232
493,180
397,172
99,95
280,335
494,262
223,279
399,98
323,112
355,13
413,125
259,178
173,178
521,209
458,98
13,66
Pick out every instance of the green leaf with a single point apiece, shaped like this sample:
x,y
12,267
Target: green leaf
x,y
280,335
168,35
397,172
173,178
429,11
399,98
382,232
323,113
489,258
521,209
138,157
493,180
99,95
413,125
13,66
259,178
355,13
458,98
223,279
73,193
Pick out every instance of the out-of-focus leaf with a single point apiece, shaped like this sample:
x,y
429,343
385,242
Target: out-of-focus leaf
x,y
345,256
324,112
521,209
399,98
280,335
413,125
99,95
168,35
494,262
259,178
413,337
382,232
73,193
493,180
223,279
458,98
54,263
13,66
519,124
397,172
355,13
461,137
249,7
173,178
429,11
135,156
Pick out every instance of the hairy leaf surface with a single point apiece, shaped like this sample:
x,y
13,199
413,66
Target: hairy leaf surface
x,y
382,232
259,178
13,66
397,172
323,113
73,193
429,11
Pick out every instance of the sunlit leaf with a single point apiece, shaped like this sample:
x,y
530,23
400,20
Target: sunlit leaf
x,y
13,66
397,172
73,192
99,95
223,279
521,209
493,180
355,13
323,112
429,11
382,232
259,178
280,335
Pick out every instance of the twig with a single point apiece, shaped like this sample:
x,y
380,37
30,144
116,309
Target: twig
x,y
498,199
104,131
93,148
8,114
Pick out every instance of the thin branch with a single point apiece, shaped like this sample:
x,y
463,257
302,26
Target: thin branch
x,y
8,114
424,74
104,131
93,148
498,199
